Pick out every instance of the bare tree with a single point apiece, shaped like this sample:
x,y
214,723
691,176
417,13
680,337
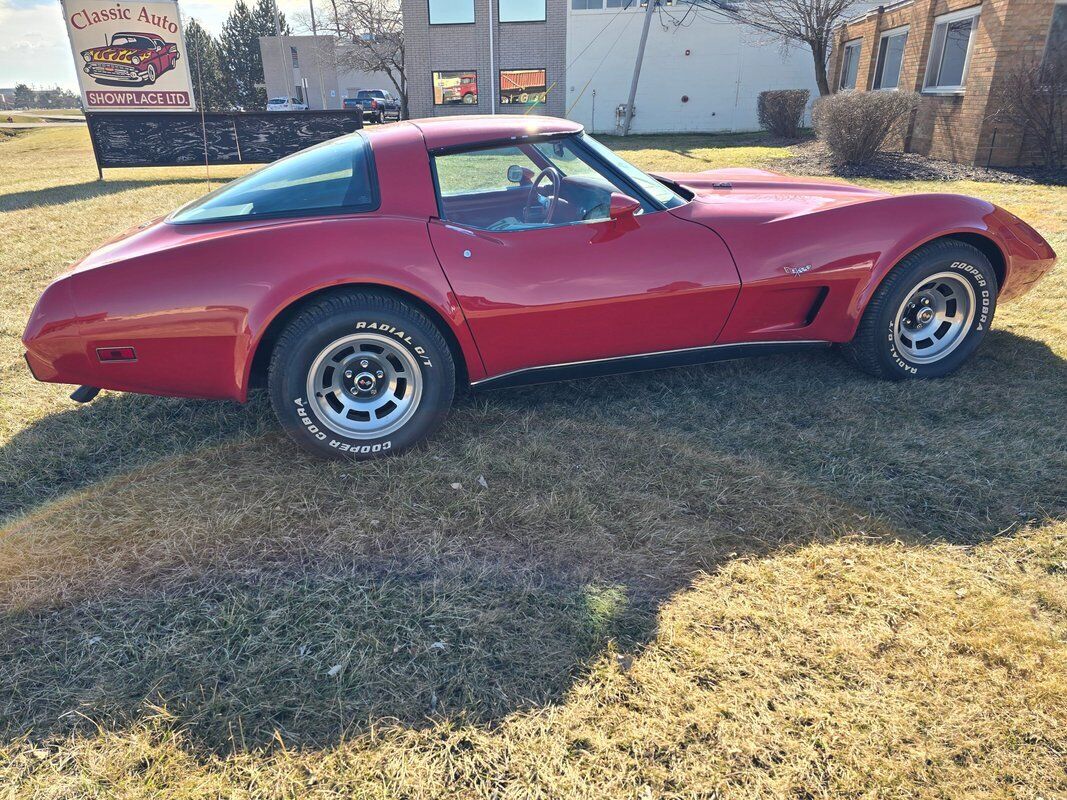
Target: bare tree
x,y
374,31
1034,100
809,22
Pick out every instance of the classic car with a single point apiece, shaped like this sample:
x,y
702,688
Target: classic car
x,y
510,250
130,58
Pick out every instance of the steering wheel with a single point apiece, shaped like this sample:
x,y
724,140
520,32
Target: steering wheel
x,y
533,198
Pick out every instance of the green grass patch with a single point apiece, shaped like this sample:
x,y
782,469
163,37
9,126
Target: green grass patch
x,y
773,578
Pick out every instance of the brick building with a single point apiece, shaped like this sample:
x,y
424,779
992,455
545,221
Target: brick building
x,y
957,54
485,56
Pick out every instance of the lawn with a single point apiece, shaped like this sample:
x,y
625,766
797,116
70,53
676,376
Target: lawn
x,y
772,578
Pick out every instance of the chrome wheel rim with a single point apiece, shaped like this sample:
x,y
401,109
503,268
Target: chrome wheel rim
x,y
364,386
934,318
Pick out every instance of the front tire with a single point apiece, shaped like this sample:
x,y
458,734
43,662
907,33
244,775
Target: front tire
x,y
929,315
361,375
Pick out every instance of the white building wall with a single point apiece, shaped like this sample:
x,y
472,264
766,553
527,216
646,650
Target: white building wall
x,y
720,66
322,61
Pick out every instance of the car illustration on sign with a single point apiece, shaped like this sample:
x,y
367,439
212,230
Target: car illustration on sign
x,y
130,58
366,280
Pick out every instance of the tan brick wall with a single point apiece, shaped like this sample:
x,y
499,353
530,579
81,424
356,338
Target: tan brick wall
x,y
517,45
956,127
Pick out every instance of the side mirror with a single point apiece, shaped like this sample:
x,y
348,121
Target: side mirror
x,y
520,175
622,206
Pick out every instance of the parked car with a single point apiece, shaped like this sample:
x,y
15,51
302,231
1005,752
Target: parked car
x,y
509,250
378,105
285,104
130,58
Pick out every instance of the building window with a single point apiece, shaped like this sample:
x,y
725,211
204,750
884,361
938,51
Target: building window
x,y
850,64
621,3
950,50
521,10
583,5
295,57
452,88
451,12
1056,48
525,87
890,56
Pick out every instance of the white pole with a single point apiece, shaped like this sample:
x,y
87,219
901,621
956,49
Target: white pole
x,y
492,64
287,66
318,54
649,9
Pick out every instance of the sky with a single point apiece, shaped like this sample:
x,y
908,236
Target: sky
x,y
34,48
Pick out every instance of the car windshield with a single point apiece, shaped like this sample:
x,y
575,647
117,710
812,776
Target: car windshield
x,y
125,40
659,191
364,95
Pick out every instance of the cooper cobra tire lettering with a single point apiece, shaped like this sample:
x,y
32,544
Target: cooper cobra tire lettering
x,y
874,348
349,314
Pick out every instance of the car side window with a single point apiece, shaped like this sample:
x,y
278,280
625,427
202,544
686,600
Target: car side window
x,y
494,189
334,177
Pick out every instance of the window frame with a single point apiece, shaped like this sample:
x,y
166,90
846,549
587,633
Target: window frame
x,y
500,17
429,15
587,8
879,64
433,87
936,56
857,46
648,203
373,205
500,88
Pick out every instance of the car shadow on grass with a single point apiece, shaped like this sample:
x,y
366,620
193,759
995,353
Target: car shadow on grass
x,y
231,587
84,190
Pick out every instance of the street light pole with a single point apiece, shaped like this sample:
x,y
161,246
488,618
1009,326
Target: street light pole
x,y
649,9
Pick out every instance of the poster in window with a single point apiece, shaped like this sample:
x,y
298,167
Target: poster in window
x,y
523,86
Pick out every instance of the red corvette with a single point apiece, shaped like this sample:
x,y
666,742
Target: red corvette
x,y
365,279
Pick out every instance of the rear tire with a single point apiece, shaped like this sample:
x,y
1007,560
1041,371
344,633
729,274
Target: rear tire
x,y
929,315
361,375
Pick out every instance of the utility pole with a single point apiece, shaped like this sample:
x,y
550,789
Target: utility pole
x,y
318,54
287,65
650,8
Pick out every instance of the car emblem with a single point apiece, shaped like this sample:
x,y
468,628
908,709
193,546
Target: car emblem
x,y
798,270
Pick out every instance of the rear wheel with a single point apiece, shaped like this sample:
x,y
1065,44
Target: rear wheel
x,y
929,315
361,374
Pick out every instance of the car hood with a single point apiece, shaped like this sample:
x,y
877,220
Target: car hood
x,y
758,196
118,55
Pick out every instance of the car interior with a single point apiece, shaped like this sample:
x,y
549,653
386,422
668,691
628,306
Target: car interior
x,y
530,185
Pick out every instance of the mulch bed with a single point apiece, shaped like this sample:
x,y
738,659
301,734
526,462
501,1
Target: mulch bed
x,y
812,158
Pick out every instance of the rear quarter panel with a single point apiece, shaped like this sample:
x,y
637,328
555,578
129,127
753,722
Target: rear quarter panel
x,y
196,312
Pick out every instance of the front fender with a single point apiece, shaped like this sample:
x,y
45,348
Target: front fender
x,y
845,251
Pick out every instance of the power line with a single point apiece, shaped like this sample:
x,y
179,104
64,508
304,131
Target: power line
x,y
599,65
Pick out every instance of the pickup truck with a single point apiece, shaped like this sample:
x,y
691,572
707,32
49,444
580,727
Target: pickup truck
x,y
377,104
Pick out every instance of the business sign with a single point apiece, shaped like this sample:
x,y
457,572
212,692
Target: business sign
x,y
130,56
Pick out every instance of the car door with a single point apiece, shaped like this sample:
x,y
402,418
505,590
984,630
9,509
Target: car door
x,y
577,289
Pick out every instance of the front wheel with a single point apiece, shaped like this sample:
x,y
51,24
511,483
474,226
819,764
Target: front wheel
x,y
929,314
362,375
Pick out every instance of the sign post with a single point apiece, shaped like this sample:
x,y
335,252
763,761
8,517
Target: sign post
x,y
130,56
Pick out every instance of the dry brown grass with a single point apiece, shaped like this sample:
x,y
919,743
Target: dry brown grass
x,y
775,578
